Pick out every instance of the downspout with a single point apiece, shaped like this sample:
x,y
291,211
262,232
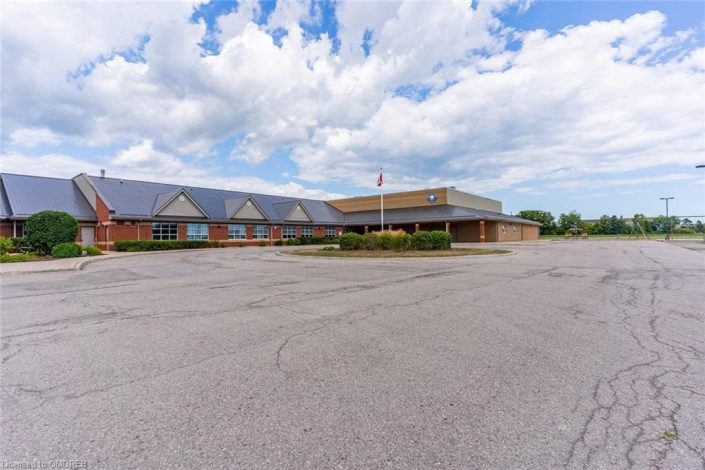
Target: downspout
x,y
14,229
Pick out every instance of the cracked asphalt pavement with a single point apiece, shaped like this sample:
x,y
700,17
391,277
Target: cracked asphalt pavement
x,y
572,354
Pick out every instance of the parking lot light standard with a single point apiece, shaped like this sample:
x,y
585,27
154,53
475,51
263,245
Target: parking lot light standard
x,y
670,225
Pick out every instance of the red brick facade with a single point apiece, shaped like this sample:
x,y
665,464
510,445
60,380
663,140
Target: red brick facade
x,y
7,229
110,231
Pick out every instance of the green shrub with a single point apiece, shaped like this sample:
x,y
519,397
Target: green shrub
x,y
313,241
46,229
401,242
66,250
5,245
161,245
440,240
422,241
371,241
352,241
20,245
278,242
262,243
384,240
92,251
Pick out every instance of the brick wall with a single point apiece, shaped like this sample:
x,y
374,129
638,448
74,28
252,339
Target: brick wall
x,y
217,232
7,230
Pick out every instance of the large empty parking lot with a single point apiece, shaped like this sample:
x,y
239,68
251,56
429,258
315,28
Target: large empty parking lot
x,y
574,354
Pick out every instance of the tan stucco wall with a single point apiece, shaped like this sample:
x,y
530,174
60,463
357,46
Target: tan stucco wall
x,y
184,208
462,199
298,215
391,200
86,188
249,212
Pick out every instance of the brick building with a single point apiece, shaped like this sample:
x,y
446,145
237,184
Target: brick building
x,y
111,209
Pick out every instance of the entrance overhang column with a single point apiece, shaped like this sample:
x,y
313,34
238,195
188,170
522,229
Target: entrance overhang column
x,y
482,231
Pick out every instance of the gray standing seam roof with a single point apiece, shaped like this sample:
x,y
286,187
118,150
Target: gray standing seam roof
x,y
5,211
440,213
27,195
22,196
137,198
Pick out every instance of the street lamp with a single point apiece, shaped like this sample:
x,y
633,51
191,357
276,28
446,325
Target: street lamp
x,y
670,226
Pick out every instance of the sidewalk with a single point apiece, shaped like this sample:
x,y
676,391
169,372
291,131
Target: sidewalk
x,y
67,264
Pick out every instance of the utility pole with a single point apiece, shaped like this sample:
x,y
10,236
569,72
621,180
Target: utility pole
x,y
670,224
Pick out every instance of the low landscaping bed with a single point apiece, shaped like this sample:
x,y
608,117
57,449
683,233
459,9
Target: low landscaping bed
x,y
337,253
162,245
22,257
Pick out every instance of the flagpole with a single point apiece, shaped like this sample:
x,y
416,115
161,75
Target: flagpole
x,y
381,203
380,183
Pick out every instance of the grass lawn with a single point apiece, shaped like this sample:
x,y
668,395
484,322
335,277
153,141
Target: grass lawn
x,y
652,236
337,253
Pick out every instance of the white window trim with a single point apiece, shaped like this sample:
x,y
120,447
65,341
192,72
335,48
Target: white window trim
x,y
199,235
255,235
244,232
161,231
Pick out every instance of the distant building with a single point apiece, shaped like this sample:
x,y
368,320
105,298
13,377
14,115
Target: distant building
x,y
112,209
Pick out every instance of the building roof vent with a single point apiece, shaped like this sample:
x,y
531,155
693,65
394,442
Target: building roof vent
x,y
102,173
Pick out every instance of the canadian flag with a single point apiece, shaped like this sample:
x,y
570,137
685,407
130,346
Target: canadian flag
x,y
380,180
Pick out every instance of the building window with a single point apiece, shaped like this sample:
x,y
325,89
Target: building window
x,y
306,231
514,228
504,229
330,231
236,232
165,231
196,231
260,232
288,232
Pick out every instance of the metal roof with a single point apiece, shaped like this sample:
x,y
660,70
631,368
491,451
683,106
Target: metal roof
x,y
22,196
440,213
27,195
131,198
5,210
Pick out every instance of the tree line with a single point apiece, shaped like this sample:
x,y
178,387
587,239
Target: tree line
x,y
610,224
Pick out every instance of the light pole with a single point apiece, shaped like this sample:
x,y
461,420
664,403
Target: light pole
x,y
701,166
670,226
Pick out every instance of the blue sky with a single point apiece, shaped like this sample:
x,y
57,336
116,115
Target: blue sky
x,y
590,106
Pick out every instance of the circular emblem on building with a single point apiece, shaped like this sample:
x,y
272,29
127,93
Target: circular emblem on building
x,y
182,198
431,198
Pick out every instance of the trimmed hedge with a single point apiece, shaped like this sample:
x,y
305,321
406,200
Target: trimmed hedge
x,y
92,251
162,245
46,229
440,240
352,241
312,241
396,240
66,250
